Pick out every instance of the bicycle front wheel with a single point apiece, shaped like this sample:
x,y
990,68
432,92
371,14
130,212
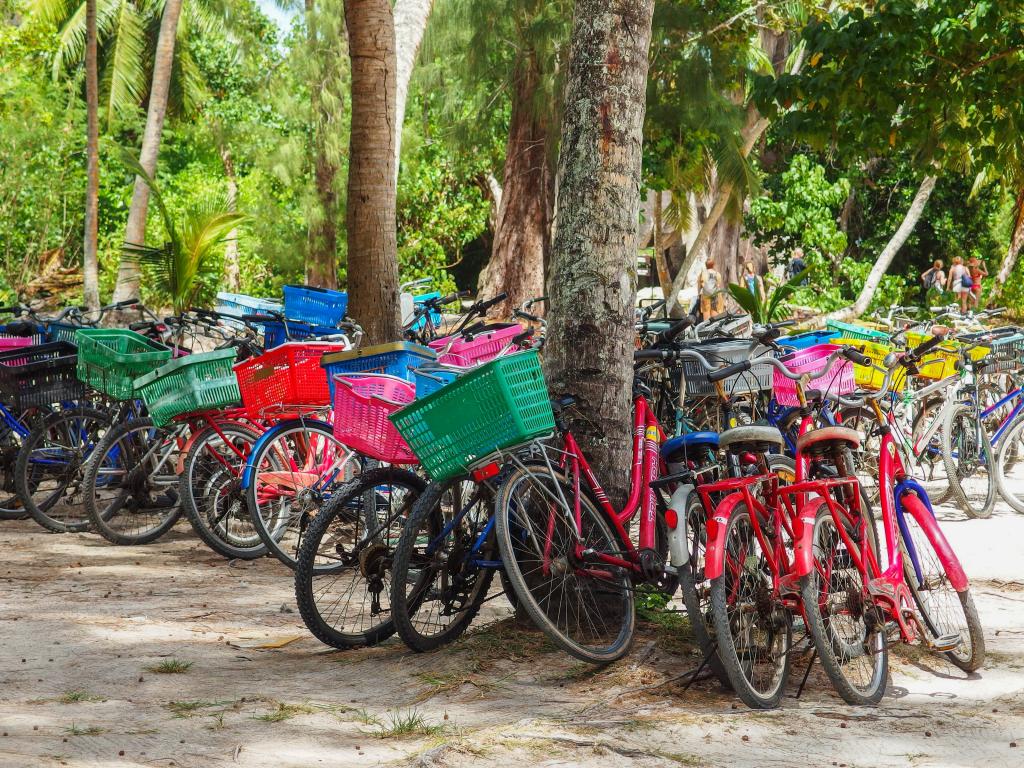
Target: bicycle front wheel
x,y
1008,469
949,615
130,483
967,454
559,568
293,471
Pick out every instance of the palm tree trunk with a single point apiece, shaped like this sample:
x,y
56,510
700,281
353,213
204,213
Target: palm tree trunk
x,y
1016,242
884,260
370,217
90,261
410,23
660,262
232,274
593,265
521,236
127,286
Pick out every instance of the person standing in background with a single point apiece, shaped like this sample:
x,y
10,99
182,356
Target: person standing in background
x,y
976,269
796,265
934,279
960,283
752,280
709,286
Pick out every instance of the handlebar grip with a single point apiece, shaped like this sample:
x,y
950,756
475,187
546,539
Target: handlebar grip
x,y
677,328
856,356
527,316
258,318
125,303
15,309
491,302
140,326
524,336
451,298
651,354
926,346
729,370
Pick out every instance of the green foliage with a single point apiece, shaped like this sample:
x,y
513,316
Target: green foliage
x,y
186,267
771,306
802,213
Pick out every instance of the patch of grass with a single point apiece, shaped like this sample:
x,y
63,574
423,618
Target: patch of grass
x,y
170,667
76,697
506,639
408,723
91,730
192,708
286,712
366,718
449,682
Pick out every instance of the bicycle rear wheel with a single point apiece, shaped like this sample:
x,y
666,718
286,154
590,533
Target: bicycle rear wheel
x,y
212,495
438,582
583,604
14,429
946,612
967,454
754,632
847,629
293,471
130,483
343,573
50,470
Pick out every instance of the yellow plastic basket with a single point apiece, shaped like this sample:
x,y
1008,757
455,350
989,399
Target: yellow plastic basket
x,y
941,363
868,377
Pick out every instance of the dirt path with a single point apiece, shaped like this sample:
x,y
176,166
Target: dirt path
x,y
85,626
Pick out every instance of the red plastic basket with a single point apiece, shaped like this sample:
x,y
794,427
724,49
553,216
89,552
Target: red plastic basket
x,y
838,381
287,376
481,348
362,405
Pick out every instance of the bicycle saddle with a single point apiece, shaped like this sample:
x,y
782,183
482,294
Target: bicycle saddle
x,y
675,448
561,403
817,442
753,437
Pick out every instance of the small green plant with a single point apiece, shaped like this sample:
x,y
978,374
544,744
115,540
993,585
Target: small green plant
x,y
170,667
92,730
650,603
769,307
408,723
285,712
76,697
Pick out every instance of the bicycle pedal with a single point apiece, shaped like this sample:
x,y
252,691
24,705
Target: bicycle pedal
x,y
944,644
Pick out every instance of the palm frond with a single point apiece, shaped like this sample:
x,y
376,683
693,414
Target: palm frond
x,y
70,42
124,76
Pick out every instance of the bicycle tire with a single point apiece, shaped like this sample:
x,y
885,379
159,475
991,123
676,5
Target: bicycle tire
x,y
1010,494
211,493
619,610
843,645
435,596
11,505
963,430
940,620
777,622
62,509
282,524
127,443
367,565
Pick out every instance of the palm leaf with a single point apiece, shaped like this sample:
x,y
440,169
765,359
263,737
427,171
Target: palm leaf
x,y
124,76
747,301
783,293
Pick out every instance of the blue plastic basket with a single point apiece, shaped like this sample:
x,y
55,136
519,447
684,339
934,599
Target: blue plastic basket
x,y
240,304
317,306
808,339
435,315
393,359
37,338
274,334
61,332
429,379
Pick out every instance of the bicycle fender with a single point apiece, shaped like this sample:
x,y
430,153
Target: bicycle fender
x,y
714,556
803,536
912,504
266,437
678,548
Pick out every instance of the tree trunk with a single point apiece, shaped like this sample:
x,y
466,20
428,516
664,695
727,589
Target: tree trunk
x,y
885,258
410,23
521,236
322,226
232,275
127,286
660,262
1016,242
90,261
370,218
593,265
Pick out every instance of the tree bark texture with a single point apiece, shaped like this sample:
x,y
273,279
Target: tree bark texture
x,y
90,263
1016,242
370,217
232,273
884,260
592,284
523,222
127,286
410,23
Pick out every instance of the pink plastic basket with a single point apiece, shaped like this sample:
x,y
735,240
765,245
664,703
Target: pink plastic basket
x,y
362,404
838,381
482,348
15,342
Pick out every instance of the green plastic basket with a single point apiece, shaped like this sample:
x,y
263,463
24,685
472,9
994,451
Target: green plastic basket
x,y
499,405
199,382
851,331
109,359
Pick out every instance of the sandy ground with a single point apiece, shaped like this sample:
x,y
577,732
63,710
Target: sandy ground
x,y
83,625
